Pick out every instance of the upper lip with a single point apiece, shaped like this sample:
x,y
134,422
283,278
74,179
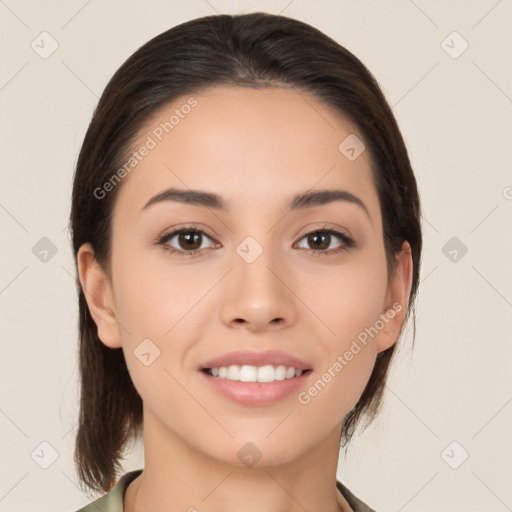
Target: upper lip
x,y
247,357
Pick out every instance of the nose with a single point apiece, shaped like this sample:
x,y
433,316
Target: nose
x,y
259,295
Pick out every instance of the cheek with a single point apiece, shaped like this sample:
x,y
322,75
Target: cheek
x,y
347,302
158,308
347,298
153,301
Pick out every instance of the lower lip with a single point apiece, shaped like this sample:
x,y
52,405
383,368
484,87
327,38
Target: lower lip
x,y
256,393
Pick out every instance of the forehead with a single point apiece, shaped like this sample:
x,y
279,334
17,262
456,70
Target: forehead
x,y
247,145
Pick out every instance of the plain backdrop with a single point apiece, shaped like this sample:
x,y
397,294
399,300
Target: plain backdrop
x,y
442,441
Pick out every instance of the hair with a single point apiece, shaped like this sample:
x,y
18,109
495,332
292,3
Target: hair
x,y
251,50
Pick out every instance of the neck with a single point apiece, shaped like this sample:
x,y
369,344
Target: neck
x,y
179,477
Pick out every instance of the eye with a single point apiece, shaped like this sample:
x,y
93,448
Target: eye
x,y
321,239
188,239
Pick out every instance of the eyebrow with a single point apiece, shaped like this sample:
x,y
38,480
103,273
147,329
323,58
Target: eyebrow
x,y
216,202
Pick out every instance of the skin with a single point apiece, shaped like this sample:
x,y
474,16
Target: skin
x,y
255,148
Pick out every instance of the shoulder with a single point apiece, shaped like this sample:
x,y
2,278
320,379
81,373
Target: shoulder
x,y
113,501
356,504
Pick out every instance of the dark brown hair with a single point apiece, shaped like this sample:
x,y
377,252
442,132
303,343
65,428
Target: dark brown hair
x,y
251,50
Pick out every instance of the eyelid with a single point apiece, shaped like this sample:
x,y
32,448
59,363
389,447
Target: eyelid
x,y
195,226
321,226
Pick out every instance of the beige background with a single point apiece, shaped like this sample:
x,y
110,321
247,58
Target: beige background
x,y
455,114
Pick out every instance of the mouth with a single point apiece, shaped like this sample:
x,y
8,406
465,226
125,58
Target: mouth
x,y
251,386
260,374
248,364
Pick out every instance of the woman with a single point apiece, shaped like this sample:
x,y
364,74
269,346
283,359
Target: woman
x,y
246,227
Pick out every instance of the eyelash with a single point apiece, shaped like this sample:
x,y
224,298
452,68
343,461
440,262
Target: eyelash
x,y
347,242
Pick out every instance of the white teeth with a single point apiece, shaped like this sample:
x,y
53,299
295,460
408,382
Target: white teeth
x,y
248,373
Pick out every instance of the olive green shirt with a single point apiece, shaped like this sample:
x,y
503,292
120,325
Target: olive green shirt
x,y
113,501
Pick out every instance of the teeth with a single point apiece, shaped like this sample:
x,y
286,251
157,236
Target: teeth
x,y
247,373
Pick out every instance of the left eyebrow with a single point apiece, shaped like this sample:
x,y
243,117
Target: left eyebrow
x,y
216,202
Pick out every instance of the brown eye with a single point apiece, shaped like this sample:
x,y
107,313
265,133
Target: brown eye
x,y
185,241
189,240
319,241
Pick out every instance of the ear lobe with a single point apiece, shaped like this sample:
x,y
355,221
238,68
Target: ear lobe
x,y
98,294
397,299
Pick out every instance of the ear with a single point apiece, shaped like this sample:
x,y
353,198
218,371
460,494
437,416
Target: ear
x,y
397,299
97,289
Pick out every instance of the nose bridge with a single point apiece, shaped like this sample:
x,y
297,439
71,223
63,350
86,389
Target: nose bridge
x,y
257,294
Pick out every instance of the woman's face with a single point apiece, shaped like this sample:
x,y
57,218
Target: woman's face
x,y
256,281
